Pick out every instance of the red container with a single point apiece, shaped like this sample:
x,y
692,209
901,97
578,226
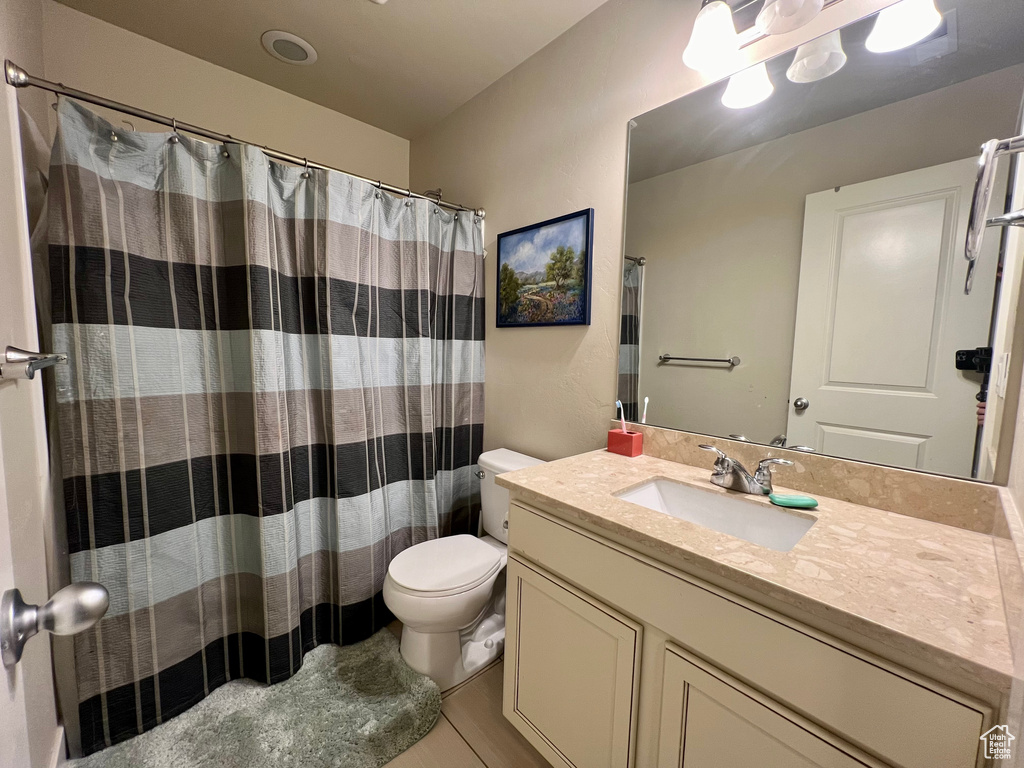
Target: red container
x,y
625,443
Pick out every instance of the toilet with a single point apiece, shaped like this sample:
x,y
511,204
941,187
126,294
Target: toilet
x,y
449,593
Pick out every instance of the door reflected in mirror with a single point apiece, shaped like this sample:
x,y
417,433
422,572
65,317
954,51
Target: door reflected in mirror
x,y
818,236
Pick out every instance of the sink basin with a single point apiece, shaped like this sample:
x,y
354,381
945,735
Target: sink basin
x,y
769,526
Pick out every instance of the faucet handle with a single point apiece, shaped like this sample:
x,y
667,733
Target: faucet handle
x,y
721,455
763,475
766,464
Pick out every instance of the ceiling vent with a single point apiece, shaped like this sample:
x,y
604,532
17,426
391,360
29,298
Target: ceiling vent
x,y
288,47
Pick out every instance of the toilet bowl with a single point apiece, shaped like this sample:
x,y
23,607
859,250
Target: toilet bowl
x,y
449,593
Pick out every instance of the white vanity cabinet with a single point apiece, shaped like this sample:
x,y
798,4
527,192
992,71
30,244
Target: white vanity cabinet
x,y
614,659
580,661
711,719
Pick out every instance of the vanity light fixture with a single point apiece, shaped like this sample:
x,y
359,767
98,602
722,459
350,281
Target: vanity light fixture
x,y
902,25
779,16
818,59
747,88
713,46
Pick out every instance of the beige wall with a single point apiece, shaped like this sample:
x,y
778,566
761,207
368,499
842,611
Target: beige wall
x,y
721,285
95,56
26,692
550,138
21,40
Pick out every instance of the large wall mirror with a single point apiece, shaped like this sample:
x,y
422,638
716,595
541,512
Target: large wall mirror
x,y
795,270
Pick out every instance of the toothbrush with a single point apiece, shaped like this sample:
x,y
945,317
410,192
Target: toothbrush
x,y
622,414
643,419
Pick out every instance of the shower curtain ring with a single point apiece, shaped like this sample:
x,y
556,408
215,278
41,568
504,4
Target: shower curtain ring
x,y
174,127
305,164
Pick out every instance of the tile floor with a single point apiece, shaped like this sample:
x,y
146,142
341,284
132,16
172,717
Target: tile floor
x,y
471,731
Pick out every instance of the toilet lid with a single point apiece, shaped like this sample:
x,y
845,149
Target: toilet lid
x,y
445,564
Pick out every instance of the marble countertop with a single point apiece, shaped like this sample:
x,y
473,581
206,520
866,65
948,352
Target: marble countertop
x,y
929,590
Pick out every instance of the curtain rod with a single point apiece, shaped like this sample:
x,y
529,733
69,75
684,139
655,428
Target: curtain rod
x,y
19,78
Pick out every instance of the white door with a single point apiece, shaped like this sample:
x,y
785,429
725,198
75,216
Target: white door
x,y
13,717
29,734
880,314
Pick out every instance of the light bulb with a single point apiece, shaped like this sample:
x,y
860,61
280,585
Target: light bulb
x,y
713,46
747,88
902,25
817,59
780,16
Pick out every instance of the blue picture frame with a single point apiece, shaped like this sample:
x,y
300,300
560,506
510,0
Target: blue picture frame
x,y
543,278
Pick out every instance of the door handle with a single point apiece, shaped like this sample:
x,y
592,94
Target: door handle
x,y
22,364
801,404
72,610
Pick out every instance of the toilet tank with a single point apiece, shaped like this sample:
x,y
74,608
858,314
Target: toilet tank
x,y
494,498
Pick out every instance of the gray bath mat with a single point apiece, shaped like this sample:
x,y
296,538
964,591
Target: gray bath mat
x,y
356,706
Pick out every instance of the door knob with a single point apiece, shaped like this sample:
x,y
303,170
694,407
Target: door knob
x,y
72,610
800,404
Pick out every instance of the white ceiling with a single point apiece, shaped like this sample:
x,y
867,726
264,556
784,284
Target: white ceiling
x,y
402,66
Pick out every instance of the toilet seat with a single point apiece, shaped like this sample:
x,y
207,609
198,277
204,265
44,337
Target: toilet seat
x,y
445,566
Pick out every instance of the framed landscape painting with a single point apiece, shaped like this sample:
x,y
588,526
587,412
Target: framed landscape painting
x,y
544,272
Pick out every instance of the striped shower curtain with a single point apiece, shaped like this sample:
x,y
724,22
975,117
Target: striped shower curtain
x,y
275,384
629,339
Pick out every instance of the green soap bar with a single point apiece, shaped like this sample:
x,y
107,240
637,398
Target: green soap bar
x,y
797,502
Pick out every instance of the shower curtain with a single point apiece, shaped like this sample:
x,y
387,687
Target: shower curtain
x,y
629,339
275,384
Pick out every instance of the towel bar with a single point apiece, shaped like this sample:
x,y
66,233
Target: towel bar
x,y
732,362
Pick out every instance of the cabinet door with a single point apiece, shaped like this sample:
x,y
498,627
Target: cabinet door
x,y
711,719
902,718
571,672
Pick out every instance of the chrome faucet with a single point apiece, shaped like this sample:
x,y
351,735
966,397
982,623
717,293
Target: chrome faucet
x,y
730,474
